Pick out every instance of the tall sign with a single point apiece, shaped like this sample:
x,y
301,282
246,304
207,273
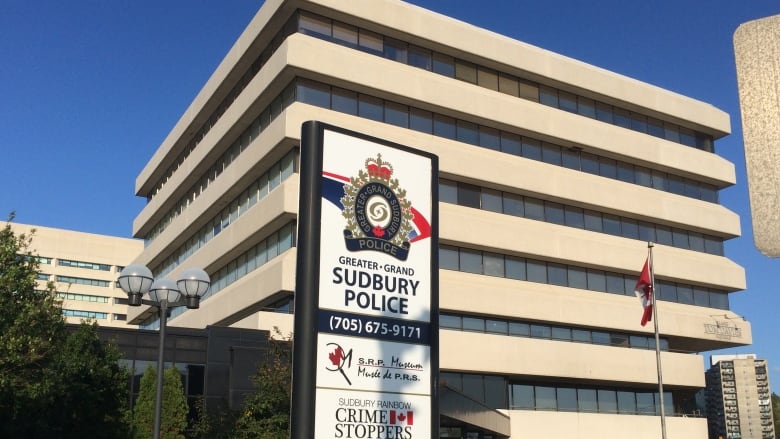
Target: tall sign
x,y
366,300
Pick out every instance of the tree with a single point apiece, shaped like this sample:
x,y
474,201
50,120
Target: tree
x,y
97,390
51,380
31,327
173,420
266,413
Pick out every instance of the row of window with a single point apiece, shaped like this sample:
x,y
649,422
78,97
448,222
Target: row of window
x,y
231,155
588,399
43,260
469,195
403,52
369,107
511,267
83,264
370,42
495,392
253,69
82,297
83,281
548,332
85,314
257,190
257,256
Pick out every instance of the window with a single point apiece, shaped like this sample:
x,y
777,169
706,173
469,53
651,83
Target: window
x,y
567,399
345,101
536,271
545,398
419,57
586,400
314,25
370,108
345,34
496,326
532,149
314,93
534,209
444,126
523,396
489,138
529,90
466,71
557,274
469,195
397,114
508,85
567,101
448,191
493,264
511,144
395,50
553,213
492,200
467,132
444,65
448,258
370,42
487,78
449,321
473,324
548,96
515,268
421,121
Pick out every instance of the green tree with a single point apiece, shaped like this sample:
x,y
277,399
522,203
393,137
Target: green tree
x,y
173,420
218,422
266,412
96,393
53,383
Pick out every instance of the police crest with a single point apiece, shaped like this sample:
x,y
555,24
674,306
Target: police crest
x,y
379,217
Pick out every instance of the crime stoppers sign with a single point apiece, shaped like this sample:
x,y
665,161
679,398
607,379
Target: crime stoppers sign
x,y
366,313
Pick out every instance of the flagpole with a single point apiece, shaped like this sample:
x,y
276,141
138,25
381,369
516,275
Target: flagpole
x,y
657,339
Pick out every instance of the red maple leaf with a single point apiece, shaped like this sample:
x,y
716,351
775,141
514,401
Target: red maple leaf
x,y
337,356
378,231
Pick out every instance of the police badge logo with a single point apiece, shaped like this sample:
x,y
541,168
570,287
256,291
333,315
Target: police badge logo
x,y
379,217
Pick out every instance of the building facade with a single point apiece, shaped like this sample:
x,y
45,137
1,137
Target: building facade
x,y
84,268
554,176
739,401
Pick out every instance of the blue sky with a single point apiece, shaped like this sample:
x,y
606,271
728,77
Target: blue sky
x,y
89,89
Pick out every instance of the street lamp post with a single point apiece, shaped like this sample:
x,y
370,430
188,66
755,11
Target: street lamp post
x,y
164,294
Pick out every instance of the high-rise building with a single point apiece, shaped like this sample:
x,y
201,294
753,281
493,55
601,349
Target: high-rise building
x,y
739,402
84,268
554,175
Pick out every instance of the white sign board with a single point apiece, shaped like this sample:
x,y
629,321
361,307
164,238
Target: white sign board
x,y
376,338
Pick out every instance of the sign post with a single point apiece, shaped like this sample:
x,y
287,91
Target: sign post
x,y
366,314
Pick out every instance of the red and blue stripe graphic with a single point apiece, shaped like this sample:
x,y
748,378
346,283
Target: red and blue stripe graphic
x,y
333,190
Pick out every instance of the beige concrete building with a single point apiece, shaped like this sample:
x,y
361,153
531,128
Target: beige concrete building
x,y
739,402
554,176
84,268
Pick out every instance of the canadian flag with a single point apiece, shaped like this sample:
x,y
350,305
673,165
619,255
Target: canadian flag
x,y
399,417
644,291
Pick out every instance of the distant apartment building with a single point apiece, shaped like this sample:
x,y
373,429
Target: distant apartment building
x,y
739,402
84,268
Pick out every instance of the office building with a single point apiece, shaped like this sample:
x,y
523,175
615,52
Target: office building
x,y
739,402
84,268
554,175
